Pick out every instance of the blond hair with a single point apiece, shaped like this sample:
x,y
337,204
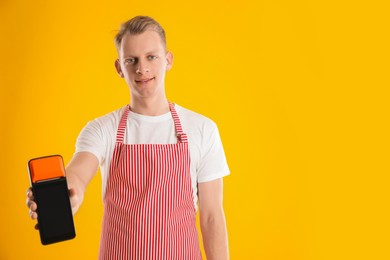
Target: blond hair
x,y
138,25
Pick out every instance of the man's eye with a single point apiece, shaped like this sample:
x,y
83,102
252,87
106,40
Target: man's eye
x,y
152,57
129,61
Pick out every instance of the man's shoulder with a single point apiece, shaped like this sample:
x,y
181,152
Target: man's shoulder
x,y
193,118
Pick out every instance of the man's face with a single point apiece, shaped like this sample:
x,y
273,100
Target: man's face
x,y
143,62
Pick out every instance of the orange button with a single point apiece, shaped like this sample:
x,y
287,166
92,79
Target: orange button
x,y
45,168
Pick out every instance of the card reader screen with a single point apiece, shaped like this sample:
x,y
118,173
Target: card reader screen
x,y
55,217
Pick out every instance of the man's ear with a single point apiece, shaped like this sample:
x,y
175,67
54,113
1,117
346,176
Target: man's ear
x,y
169,58
118,68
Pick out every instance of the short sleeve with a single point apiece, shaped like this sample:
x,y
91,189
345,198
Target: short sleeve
x,y
91,140
213,164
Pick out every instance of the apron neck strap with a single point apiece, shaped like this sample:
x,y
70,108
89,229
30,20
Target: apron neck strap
x,y
181,137
120,134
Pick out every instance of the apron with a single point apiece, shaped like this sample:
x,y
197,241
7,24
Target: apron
x,y
149,210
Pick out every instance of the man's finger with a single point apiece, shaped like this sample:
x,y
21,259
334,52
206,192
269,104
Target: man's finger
x,y
31,205
33,215
29,202
30,194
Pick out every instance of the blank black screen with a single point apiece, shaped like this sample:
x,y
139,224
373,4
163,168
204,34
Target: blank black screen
x,y
55,217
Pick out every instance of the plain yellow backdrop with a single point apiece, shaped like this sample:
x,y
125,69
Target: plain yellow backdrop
x,y
299,90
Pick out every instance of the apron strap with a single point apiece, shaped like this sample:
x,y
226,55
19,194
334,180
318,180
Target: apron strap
x,y
120,134
181,137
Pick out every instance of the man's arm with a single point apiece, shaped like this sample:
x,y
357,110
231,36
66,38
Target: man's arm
x,y
79,173
212,220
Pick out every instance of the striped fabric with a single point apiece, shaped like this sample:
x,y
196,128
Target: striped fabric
x,y
149,211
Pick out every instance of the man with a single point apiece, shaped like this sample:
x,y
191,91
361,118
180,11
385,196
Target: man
x,y
158,161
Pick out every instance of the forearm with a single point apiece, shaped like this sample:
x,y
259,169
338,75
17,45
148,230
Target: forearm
x,y
76,190
215,238
79,172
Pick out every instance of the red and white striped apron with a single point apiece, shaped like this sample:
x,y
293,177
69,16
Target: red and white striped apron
x,y
149,210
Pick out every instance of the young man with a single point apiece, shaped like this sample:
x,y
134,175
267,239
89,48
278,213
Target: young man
x,y
158,161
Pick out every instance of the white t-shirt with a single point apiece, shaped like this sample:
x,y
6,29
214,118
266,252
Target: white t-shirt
x,y
208,161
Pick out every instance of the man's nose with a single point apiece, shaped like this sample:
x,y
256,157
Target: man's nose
x,y
142,68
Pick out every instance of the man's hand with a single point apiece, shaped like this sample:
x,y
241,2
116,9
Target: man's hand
x,y
79,173
32,205
75,202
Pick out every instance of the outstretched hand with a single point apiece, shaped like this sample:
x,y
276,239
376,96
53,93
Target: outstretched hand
x,y
32,206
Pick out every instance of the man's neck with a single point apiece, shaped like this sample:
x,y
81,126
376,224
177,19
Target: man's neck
x,y
150,106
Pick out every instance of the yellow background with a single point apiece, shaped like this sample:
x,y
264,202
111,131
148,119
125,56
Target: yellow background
x,y
299,90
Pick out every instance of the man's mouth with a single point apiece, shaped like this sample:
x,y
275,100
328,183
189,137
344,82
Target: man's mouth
x,y
143,81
